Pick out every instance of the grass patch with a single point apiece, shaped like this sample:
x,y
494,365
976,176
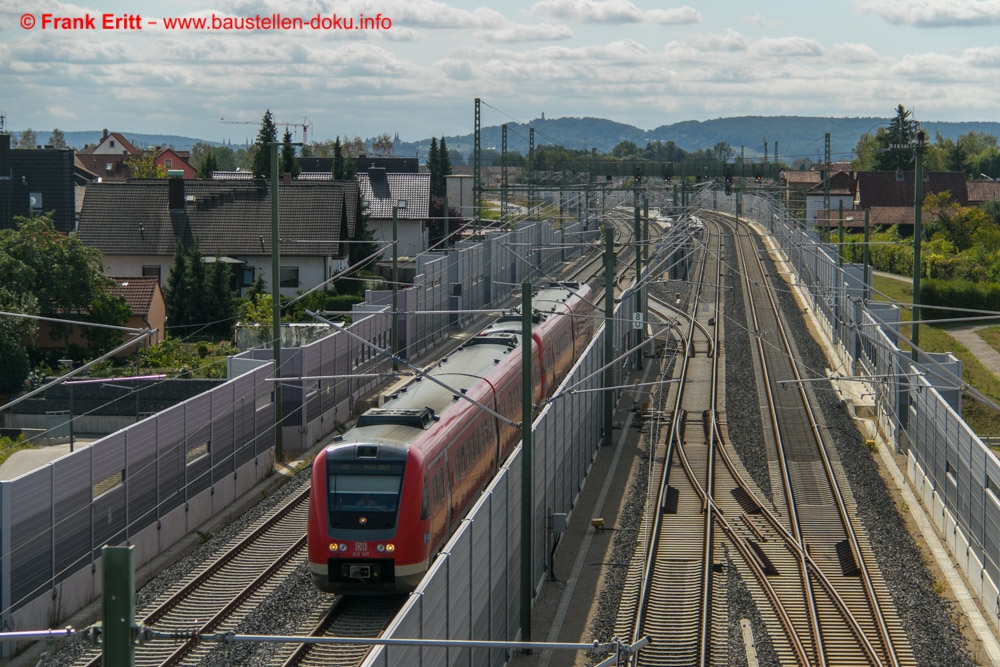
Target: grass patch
x,y
935,338
9,447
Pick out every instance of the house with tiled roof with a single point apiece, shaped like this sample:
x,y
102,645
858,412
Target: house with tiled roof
x,y
114,143
105,167
172,160
980,192
842,188
137,224
887,195
147,308
411,195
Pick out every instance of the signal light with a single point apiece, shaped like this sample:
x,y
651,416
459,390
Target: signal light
x,y
638,178
757,178
666,178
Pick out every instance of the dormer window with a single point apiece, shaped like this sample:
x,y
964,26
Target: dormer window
x,y
169,163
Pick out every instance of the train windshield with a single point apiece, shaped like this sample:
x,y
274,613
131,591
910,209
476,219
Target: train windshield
x,y
364,500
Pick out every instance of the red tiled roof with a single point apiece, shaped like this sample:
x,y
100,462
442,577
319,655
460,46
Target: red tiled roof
x,y
800,177
982,191
885,189
138,291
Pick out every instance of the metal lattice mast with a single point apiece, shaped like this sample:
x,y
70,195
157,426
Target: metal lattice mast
x,y
531,170
477,184
826,176
503,171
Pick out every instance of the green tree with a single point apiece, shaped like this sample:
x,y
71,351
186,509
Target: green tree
x,y
288,163
625,149
219,296
144,166
14,365
723,152
363,246
257,311
383,144
208,166
339,168
444,162
177,296
28,139
895,144
57,139
200,300
110,309
267,135
200,315
63,274
434,165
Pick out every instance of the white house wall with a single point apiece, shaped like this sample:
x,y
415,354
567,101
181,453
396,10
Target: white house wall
x,y
410,233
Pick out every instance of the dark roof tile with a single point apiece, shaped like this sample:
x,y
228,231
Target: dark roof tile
x,y
227,217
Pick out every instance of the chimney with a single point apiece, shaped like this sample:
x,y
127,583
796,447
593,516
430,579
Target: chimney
x,y
178,215
175,193
286,178
105,134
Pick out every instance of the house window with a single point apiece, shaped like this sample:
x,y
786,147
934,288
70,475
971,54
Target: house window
x,y
168,162
112,144
151,272
289,276
247,276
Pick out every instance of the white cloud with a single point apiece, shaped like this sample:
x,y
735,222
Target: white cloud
x,y
788,46
855,53
545,32
933,13
613,11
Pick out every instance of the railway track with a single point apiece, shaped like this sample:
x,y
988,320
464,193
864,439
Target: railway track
x,y
802,559
226,589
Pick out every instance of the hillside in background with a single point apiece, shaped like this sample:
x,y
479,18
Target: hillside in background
x,y
797,136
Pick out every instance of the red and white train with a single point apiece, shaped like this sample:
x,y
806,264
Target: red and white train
x,y
387,495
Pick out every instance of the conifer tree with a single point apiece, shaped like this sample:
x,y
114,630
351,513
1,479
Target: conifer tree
x,y
267,135
339,169
288,163
208,165
177,296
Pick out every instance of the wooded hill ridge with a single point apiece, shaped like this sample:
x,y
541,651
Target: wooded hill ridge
x,y
797,136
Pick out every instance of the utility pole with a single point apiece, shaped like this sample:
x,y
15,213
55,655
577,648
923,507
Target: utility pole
x,y
526,462
609,330
395,281
638,315
867,260
477,185
918,204
279,448
118,628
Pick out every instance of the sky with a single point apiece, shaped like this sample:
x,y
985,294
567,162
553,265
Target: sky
x,y
416,66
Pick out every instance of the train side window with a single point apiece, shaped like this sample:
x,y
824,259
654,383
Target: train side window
x,y
425,504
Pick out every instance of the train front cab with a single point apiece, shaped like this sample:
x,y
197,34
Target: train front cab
x,y
362,487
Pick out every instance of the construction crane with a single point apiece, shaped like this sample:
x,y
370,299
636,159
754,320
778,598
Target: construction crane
x,y
306,125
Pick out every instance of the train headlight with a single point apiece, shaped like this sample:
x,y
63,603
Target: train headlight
x,y
380,548
362,520
333,547
390,547
343,546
